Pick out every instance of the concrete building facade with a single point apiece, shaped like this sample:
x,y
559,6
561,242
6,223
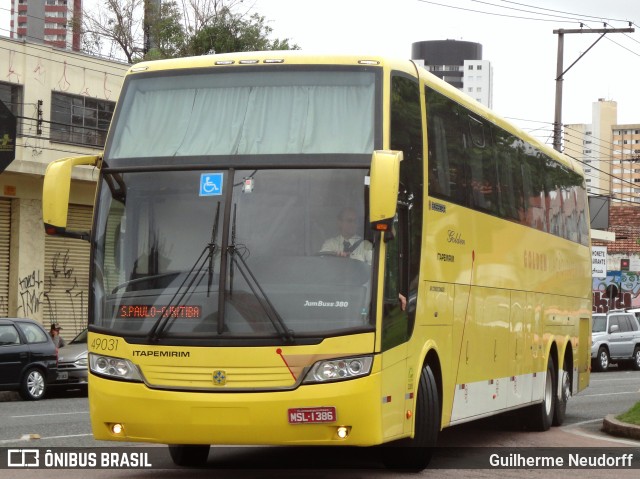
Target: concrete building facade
x,y
64,102
53,22
458,63
591,144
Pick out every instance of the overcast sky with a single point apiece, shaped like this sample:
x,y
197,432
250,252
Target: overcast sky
x,y
522,51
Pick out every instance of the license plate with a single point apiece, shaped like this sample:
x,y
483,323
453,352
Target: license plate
x,y
310,415
62,376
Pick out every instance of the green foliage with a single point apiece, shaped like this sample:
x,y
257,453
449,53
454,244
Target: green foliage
x,y
226,31
632,416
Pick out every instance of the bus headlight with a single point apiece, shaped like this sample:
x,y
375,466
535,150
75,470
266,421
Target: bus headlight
x,y
339,369
114,367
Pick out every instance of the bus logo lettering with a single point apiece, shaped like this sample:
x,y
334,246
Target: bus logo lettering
x,y
437,207
210,184
449,258
219,378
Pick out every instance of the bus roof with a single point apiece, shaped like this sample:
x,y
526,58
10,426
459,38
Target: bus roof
x,y
298,57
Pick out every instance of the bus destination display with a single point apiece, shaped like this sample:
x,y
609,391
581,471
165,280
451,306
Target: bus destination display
x,y
147,311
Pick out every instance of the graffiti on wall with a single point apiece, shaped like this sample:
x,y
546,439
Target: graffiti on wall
x,y
30,294
619,290
64,297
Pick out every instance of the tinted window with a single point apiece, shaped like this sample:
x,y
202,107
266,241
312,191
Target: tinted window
x,y
33,333
475,163
8,335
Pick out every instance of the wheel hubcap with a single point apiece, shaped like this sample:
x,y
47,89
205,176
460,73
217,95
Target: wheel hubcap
x,y
35,384
566,386
604,360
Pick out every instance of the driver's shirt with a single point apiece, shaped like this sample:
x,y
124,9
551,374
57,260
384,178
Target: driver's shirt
x,y
340,244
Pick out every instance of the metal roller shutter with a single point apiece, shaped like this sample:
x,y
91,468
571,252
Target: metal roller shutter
x,y
5,240
66,296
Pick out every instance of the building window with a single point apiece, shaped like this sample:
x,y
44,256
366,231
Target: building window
x,y
80,119
479,67
470,89
479,89
470,67
11,96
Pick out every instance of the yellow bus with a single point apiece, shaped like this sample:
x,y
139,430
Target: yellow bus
x,y
316,250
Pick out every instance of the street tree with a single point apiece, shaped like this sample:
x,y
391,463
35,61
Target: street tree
x,y
137,30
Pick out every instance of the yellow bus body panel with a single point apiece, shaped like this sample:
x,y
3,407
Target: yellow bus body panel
x,y
251,408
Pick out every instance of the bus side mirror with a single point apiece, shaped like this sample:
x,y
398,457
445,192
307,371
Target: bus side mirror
x,y
55,195
384,183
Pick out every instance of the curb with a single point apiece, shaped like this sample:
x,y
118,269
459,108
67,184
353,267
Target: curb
x,y
612,426
9,396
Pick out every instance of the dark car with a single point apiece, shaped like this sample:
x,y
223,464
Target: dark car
x,y
28,358
72,363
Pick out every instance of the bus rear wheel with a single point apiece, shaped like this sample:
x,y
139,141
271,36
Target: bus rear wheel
x,y
415,454
189,455
560,409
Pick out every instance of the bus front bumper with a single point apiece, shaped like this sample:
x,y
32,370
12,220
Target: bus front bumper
x,y
180,417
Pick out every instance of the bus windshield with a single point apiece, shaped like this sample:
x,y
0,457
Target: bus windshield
x,y
170,244
241,113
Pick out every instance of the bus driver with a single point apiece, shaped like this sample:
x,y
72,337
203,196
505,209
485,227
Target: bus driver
x,y
348,244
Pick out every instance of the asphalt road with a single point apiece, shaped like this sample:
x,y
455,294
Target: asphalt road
x,y
63,421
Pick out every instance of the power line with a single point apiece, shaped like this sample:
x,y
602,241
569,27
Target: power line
x,y
560,11
527,11
491,13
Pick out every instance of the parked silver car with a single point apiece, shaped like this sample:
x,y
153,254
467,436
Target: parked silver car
x,y
72,362
615,338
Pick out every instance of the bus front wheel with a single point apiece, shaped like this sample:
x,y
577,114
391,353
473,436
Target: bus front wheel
x,y
415,454
189,455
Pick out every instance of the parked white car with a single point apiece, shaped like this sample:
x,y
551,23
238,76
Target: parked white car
x,y
615,338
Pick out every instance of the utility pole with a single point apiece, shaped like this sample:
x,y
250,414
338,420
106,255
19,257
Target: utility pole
x,y
557,122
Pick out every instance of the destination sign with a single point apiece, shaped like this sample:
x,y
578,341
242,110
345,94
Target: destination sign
x,y
146,311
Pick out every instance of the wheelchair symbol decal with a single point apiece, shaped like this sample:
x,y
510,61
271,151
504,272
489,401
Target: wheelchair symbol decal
x,y
210,184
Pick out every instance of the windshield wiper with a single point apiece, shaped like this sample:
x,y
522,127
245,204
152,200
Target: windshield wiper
x,y
207,253
263,300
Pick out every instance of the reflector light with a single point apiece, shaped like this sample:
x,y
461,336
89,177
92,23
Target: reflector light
x,y
382,227
368,62
139,69
274,60
225,62
248,62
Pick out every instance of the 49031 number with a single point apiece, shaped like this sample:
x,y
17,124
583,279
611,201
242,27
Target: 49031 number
x,y
104,344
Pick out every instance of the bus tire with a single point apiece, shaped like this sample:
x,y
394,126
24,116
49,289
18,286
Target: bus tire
x,y
560,409
195,455
415,454
541,415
